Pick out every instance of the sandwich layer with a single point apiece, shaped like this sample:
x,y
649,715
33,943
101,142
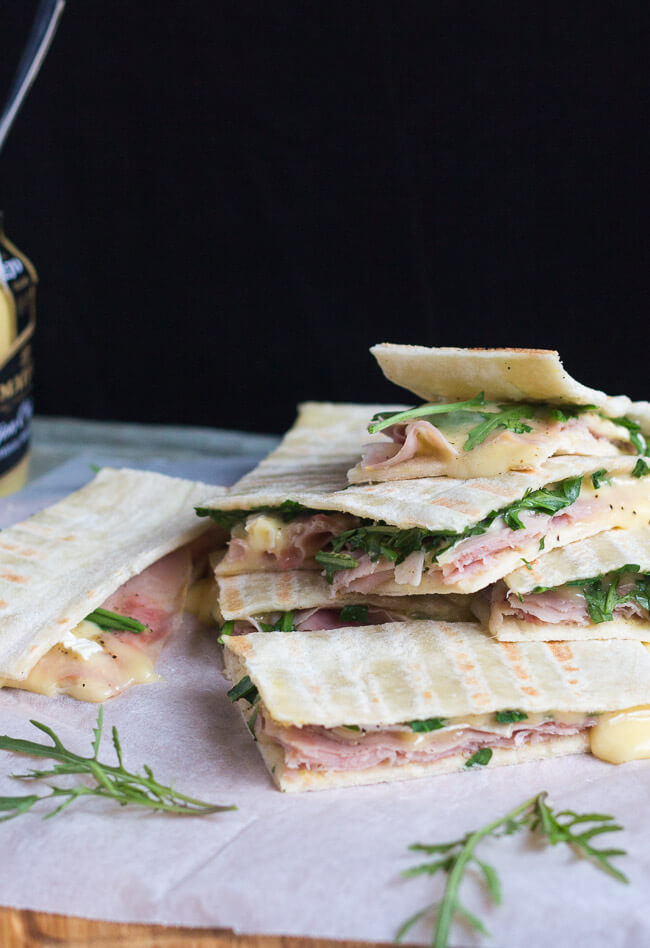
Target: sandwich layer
x,y
64,562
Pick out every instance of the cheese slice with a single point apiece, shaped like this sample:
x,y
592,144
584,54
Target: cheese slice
x,y
621,736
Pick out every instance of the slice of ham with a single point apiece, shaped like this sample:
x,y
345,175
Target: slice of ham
x,y
315,748
408,440
155,597
302,538
566,605
584,435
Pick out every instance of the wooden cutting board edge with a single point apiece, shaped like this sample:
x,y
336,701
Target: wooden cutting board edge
x,y
20,928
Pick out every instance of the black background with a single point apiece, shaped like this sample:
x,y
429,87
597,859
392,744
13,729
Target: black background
x,y
228,203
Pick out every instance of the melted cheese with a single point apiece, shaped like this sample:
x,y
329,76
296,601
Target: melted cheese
x,y
99,676
83,639
621,736
265,533
202,601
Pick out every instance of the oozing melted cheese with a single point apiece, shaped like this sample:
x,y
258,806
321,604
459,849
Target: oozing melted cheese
x,y
621,736
202,601
86,672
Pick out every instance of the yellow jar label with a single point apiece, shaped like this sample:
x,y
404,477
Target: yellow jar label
x,y
17,321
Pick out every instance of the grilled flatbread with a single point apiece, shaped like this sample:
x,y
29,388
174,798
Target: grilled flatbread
x,y
95,548
541,412
356,706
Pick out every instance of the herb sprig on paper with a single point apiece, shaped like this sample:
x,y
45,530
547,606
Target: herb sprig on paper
x,y
577,830
112,782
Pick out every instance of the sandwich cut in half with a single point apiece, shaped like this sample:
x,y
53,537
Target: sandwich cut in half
x,y
374,704
301,600
598,588
488,411
414,537
92,587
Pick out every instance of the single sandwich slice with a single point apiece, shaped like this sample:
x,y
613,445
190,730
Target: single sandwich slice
x,y
91,588
593,589
489,411
423,536
301,600
372,704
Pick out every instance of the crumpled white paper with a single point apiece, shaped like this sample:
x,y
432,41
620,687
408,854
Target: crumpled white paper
x,y
323,864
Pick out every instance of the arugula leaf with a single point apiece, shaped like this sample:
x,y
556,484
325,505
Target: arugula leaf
x,y
509,417
545,500
114,622
635,435
482,757
287,511
509,717
110,781
542,543
576,830
640,468
244,689
285,623
395,544
383,419
333,562
226,629
430,724
354,614
600,476
569,411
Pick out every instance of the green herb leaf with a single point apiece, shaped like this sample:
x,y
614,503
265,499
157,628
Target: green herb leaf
x,y
333,562
287,511
508,418
114,622
634,429
600,476
244,689
455,858
226,629
482,757
640,468
508,717
430,724
542,543
384,419
112,782
545,500
354,614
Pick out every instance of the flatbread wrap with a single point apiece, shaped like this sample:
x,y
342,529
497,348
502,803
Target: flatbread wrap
x,y
385,703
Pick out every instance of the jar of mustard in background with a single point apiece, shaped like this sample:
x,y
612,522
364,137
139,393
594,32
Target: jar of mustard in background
x,y
18,281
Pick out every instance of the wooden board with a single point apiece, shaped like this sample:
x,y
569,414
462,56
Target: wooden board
x,y
24,929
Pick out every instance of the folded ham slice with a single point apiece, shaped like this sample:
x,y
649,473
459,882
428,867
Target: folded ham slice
x,y
564,605
316,748
155,598
586,434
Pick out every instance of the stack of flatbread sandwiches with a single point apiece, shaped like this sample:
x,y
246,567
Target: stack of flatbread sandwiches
x,y
447,586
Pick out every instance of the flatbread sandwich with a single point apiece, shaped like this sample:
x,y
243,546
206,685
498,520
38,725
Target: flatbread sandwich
x,y
384,703
92,587
488,411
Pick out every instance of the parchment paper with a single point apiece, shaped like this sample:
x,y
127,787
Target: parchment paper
x,y
320,864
